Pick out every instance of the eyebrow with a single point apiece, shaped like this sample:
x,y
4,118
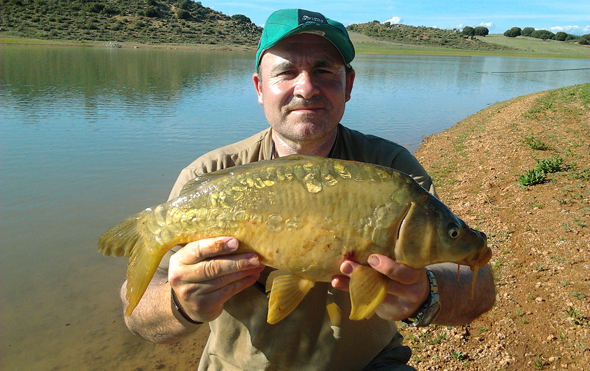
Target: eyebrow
x,y
317,64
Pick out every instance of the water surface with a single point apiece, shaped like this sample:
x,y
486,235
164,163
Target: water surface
x,y
89,136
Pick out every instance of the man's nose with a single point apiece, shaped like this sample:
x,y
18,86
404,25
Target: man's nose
x,y
305,86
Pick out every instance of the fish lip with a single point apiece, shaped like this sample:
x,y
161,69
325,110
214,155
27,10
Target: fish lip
x,y
479,257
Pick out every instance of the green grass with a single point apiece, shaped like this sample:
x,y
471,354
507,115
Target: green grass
x,y
535,143
529,47
538,47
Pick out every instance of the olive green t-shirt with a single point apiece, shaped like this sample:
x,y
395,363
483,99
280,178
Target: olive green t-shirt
x,y
241,339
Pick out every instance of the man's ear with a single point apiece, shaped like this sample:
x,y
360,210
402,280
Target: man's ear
x,y
349,83
258,86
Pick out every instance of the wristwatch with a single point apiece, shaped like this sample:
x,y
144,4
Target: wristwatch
x,y
430,309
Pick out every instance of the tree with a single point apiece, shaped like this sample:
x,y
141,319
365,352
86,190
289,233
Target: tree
x,y
527,31
468,32
182,14
240,18
513,32
584,39
560,36
152,12
481,31
543,34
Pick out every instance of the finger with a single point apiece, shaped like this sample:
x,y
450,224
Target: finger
x,y
197,251
348,266
340,282
213,269
203,285
396,271
236,283
205,307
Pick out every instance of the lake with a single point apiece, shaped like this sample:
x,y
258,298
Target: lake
x,y
89,136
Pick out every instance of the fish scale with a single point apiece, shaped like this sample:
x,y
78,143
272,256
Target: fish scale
x,y
303,215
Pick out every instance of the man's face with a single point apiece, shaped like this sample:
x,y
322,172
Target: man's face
x,y
303,87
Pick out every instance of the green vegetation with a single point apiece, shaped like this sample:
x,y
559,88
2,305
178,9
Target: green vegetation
x,y
550,165
555,105
190,22
529,46
538,174
424,36
535,143
513,32
547,35
143,21
532,177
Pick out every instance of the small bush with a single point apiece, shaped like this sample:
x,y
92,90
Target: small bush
x,y
550,165
535,143
532,177
183,14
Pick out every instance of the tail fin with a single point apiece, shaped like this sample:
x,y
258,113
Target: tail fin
x,y
142,265
145,250
120,239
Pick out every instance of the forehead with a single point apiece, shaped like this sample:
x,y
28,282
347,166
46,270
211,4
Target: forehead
x,y
303,48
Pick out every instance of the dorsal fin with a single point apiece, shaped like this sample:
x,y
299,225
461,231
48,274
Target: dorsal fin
x,y
202,180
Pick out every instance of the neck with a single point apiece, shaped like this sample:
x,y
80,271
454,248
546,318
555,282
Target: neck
x,y
285,147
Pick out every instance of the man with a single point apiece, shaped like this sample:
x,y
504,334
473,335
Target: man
x,y
303,81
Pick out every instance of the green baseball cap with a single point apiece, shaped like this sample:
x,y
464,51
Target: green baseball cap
x,y
287,22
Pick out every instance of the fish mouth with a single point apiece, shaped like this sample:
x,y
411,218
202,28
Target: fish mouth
x,y
479,257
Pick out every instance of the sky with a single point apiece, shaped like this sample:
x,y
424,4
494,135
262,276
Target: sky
x,y
571,16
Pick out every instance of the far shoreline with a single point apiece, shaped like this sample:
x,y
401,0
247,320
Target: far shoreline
x,y
362,47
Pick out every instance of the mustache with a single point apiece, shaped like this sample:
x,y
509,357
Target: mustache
x,y
314,102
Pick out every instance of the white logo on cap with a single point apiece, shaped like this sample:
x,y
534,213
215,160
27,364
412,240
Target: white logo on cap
x,y
309,19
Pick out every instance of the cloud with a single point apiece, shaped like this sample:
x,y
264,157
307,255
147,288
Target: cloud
x,y
394,20
570,29
487,24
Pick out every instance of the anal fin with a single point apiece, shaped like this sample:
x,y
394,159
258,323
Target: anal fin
x,y
287,292
368,289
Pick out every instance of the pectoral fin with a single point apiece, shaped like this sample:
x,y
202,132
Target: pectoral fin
x,y
367,291
272,276
286,293
334,313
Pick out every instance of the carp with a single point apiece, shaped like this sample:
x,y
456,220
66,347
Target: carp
x,y
303,215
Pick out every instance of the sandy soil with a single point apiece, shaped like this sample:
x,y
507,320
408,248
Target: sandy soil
x,y
540,234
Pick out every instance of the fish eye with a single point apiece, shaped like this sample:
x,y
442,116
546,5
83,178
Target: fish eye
x,y
453,230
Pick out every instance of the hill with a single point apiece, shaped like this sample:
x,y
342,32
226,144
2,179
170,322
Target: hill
x,y
537,47
190,23
422,36
142,21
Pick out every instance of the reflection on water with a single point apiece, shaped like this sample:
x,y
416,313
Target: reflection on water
x,y
89,136
411,97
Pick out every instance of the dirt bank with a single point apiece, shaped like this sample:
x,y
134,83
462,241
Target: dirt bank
x,y
540,234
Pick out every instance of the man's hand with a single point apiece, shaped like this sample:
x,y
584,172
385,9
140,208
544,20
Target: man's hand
x,y
408,287
205,274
